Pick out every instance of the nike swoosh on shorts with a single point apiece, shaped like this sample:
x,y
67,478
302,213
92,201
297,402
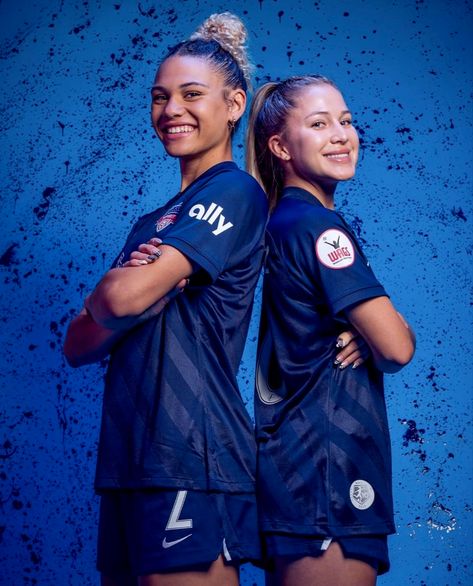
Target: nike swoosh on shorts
x,y
167,544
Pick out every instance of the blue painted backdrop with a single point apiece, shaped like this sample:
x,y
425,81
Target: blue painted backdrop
x,y
79,163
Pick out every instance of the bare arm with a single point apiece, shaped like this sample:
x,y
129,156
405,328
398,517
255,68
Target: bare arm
x,y
88,341
388,335
127,292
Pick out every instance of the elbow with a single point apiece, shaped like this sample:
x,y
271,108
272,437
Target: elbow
x,y
71,358
73,361
398,359
111,304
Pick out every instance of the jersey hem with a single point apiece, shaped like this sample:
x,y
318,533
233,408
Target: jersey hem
x,y
174,483
330,530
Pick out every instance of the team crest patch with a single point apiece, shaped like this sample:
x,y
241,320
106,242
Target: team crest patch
x,y
335,250
361,494
169,217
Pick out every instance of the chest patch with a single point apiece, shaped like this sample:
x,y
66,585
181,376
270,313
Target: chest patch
x,y
334,249
169,217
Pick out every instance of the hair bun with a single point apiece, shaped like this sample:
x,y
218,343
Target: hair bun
x,y
230,33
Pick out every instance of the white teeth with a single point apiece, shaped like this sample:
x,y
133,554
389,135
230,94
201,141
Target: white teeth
x,y
338,156
179,129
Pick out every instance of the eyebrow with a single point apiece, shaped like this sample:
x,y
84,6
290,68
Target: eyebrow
x,y
326,113
182,86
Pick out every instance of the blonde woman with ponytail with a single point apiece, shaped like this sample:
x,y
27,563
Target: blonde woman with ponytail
x,y
324,463
176,461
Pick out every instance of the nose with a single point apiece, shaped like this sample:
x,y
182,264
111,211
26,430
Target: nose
x,y
173,107
339,133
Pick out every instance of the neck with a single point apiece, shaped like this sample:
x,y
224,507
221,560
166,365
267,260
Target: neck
x,y
193,167
324,193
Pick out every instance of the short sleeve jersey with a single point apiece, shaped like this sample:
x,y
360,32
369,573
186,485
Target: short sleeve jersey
x,y
322,433
172,413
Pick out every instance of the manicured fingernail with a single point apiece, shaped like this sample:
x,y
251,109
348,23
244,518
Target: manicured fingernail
x,y
356,364
337,361
143,262
340,343
342,366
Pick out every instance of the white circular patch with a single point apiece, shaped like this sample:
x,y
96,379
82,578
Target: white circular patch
x,y
361,494
334,249
267,394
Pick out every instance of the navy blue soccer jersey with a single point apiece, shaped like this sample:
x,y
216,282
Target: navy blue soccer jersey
x,y
172,413
324,464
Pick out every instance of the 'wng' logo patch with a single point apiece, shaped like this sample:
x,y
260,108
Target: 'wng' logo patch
x,y
335,250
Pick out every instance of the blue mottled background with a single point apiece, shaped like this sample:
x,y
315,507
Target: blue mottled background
x,y
79,163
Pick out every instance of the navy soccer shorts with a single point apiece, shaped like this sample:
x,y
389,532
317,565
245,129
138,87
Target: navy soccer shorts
x,y
152,531
371,549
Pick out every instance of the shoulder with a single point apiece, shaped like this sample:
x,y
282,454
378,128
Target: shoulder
x,y
295,218
230,187
234,180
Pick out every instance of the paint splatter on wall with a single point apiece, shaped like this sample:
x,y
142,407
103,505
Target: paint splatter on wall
x,y
80,163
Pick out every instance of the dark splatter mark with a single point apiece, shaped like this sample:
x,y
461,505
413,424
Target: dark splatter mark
x,y
459,214
280,15
78,29
412,434
8,257
9,450
149,13
42,209
432,378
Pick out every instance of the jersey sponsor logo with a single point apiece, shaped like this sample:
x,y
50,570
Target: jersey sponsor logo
x,y
266,393
361,494
334,249
211,215
169,217
175,522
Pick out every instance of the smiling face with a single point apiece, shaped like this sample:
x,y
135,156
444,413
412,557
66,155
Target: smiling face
x,y
319,145
191,109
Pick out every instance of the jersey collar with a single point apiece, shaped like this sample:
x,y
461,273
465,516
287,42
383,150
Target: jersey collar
x,y
299,193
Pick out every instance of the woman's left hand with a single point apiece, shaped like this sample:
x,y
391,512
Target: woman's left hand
x,y
146,254
353,350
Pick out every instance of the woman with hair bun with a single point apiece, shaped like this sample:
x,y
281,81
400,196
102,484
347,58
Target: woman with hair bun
x,y
324,464
176,458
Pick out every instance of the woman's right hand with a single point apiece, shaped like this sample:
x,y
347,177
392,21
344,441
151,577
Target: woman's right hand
x,y
354,351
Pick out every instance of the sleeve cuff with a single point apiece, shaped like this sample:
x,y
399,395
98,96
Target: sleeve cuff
x,y
356,297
